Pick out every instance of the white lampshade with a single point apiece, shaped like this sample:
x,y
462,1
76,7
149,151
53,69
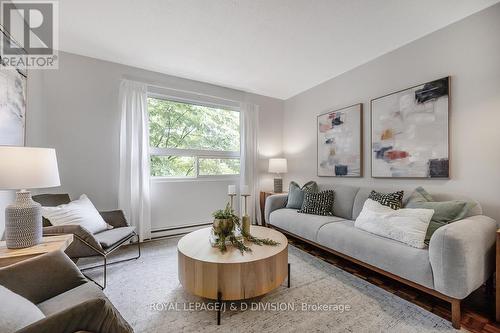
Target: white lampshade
x,y
26,168
277,165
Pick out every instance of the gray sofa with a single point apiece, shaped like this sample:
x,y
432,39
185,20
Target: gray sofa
x,y
70,302
459,259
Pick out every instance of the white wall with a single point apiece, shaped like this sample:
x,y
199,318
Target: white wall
x,y
82,119
469,51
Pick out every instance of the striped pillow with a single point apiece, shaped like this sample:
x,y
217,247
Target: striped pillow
x,y
318,203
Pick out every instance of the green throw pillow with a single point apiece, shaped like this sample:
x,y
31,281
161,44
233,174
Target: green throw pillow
x,y
445,212
296,193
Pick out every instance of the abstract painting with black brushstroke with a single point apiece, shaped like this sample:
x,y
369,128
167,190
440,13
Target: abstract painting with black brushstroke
x,y
339,142
410,132
13,83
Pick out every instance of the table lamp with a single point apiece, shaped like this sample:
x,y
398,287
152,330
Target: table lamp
x,y
24,168
278,166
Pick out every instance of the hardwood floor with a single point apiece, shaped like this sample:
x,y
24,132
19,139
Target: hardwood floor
x,y
478,310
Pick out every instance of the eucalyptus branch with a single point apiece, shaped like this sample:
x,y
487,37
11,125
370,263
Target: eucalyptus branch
x,y
259,241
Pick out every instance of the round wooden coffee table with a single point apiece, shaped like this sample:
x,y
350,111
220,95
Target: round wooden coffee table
x,y
206,272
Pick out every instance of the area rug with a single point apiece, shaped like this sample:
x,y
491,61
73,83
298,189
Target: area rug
x,y
322,298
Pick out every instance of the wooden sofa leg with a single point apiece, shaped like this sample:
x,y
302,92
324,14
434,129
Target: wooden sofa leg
x,y
455,313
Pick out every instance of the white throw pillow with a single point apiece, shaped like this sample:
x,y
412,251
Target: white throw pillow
x,y
16,311
406,225
80,211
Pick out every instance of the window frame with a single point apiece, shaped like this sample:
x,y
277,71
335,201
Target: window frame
x,y
196,153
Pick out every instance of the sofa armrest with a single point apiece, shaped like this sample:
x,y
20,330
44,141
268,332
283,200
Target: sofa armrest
x,y
76,249
462,255
95,315
274,202
43,277
115,218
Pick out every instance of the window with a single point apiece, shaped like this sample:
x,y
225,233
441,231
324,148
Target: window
x,y
192,141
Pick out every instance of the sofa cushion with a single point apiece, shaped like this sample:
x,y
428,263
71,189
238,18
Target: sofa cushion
x,y
344,199
16,311
392,200
364,193
392,256
444,211
296,193
406,225
303,225
110,237
318,203
72,297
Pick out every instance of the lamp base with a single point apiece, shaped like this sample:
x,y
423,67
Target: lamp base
x,y
23,222
278,185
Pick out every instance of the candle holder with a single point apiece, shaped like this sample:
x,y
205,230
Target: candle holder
x,y
231,199
245,219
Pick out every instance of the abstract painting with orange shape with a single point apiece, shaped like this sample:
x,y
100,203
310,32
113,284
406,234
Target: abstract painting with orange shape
x,y
339,142
410,132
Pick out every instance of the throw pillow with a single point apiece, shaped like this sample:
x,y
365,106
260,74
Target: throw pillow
x,y
80,211
445,212
318,203
405,225
16,311
392,200
296,193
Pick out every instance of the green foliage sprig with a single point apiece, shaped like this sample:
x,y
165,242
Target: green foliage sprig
x,y
259,241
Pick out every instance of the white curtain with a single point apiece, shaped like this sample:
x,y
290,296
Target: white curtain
x,y
249,152
134,186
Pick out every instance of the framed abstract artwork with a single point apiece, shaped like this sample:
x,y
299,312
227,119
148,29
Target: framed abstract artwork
x,y
409,131
13,82
340,136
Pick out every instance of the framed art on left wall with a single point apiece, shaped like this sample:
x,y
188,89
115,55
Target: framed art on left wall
x,y
13,82
340,137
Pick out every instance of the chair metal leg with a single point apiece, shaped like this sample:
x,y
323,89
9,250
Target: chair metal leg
x,y
105,270
105,265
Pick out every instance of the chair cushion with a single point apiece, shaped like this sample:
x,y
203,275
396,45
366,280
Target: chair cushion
x,y
392,256
81,212
70,298
303,225
16,311
110,237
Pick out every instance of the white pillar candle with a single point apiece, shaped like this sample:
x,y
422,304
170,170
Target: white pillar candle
x,y
231,189
244,190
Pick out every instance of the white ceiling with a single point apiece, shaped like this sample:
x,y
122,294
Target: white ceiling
x,y
276,48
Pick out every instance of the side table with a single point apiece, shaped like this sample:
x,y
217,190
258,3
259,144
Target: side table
x,y
48,244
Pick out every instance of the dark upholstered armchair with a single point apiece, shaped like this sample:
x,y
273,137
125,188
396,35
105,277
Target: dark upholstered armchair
x,y
86,244
69,301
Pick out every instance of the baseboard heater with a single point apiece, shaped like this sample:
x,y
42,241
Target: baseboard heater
x,y
176,231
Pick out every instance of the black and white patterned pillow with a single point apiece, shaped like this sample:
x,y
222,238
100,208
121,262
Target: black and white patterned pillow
x,y
320,203
392,200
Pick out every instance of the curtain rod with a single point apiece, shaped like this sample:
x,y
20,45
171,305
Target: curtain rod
x,y
149,84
